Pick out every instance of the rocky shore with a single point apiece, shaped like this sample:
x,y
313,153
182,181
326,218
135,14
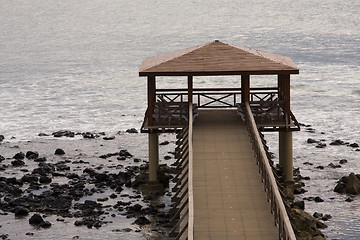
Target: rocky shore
x,y
88,179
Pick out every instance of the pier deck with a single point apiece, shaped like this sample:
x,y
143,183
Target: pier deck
x,y
229,197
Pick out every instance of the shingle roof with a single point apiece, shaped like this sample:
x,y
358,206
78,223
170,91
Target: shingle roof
x,y
217,58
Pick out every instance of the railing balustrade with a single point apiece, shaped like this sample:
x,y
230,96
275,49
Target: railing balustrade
x,y
183,209
215,97
278,208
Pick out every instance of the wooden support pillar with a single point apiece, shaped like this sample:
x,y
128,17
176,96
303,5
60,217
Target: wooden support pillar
x,y
190,89
151,93
284,94
245,88
153,156
286,154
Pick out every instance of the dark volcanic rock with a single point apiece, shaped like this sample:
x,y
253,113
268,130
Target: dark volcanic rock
x,y
337,143
59,151
354,145
142,221
2,138
63,133
343,161
19,156
348,184
17,163
32,155
36,219
21,211
310,140
132,130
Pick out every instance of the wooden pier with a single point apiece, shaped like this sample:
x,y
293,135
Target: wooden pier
x,y
229,197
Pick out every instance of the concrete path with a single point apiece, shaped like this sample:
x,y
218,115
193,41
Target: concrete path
x,y
229,197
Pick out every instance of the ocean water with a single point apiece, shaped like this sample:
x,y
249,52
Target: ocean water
x,y
74,65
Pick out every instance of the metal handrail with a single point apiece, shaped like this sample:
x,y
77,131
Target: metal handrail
x,y
286,231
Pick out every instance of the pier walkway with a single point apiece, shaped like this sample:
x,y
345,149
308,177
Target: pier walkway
x,y
229,197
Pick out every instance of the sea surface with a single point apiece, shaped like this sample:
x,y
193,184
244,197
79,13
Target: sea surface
x,y
74,65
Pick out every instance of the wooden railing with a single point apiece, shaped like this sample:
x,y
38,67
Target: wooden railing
x,y
183,208
215,97
281,217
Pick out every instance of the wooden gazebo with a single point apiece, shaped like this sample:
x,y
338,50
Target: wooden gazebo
x,y
167,109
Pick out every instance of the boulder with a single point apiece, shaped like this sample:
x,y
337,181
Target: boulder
x,y
36,219
19,156
352,185
59,151
32,155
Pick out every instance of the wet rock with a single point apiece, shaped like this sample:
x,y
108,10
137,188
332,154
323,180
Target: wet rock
x,y
45,224
88,135
32,155
124,153
19,156
337,143
42,159
59,151
36,219
43,135
17,163
164,143
29,178
304,222
318,215
142,221
21,211
354,145
310,140
64,133
326,217
321,145
353,184
298,204
349,199
321,225
132,130
109,138
343,161
334,165
45,180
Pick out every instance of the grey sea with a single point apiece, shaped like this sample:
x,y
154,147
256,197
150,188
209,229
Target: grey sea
x,y
74,65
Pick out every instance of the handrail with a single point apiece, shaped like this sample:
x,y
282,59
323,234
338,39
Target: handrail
x,y
286,231
190,176
184,207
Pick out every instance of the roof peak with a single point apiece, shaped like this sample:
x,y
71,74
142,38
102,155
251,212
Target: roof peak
x,y
217,58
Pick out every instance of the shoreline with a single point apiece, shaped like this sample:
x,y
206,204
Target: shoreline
x,y
98,207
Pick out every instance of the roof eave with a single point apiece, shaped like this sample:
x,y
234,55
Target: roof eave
x,y
219,73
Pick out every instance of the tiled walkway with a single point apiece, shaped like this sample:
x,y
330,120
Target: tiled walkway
x,y
229,197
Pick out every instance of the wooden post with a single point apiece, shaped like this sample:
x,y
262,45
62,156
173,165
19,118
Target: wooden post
x,y
245,88
190,89
286,154
151,85
284,94
153,156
